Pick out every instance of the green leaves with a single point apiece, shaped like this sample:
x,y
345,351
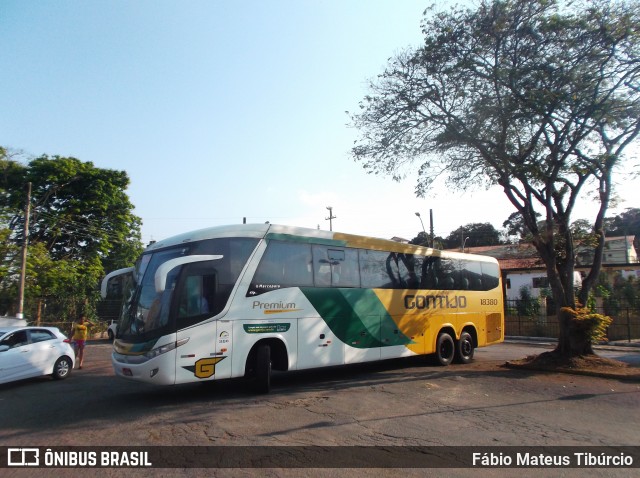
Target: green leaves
x,y
81,226
540,97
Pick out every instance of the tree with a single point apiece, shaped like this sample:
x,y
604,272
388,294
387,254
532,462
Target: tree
x,y
81,225
515,227
627,223
538,98
422,239
473,235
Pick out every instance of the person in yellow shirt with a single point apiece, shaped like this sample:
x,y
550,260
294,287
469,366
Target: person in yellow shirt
x,y
80,332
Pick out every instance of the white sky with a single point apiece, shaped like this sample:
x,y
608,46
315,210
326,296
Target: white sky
x,y
220,110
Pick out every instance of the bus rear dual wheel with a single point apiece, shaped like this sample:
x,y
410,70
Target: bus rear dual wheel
x,y
448,350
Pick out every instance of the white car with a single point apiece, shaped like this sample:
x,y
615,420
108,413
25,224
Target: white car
x,y
112,330
27,352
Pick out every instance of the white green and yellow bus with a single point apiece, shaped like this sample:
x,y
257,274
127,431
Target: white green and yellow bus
x,y
243,300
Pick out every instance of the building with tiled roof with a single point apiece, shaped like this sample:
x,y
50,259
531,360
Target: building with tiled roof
x,y
522,266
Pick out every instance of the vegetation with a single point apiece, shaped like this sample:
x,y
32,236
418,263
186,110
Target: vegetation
x,y
537,97
586,327
81,224
627,223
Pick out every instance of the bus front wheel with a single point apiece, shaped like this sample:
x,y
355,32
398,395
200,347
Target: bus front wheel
x,y
465,348
445,349
263,369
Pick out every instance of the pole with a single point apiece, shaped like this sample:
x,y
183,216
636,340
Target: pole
x,y
431,227
25,243
330,218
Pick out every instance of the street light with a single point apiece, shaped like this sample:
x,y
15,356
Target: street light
x,y
429,237
419,217
463,244
425,232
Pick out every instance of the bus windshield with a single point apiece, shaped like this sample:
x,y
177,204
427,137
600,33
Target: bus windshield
x,y
192,292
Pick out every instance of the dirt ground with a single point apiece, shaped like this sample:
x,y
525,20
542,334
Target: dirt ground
x,y
592,365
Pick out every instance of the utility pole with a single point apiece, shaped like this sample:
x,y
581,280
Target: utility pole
x,y
25,243
330,218
431,227
429,238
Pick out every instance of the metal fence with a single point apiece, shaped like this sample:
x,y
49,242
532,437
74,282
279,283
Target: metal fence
x,y
529,319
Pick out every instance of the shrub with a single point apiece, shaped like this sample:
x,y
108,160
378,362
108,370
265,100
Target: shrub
x,y
592,325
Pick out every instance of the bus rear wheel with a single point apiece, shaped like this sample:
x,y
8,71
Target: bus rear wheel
x,y
263,369
445,349
465,348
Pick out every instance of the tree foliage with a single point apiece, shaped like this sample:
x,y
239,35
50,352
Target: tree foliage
x,y
627,223
537,97
473,235
81,224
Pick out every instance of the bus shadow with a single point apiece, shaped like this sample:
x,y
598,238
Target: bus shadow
x,y
98,399
344,377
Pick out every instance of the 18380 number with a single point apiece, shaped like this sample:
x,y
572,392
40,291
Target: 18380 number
x,y
488,301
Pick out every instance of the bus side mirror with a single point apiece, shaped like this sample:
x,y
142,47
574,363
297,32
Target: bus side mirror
x,y
111,275
164,269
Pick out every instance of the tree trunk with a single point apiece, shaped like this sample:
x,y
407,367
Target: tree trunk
x,y
574,340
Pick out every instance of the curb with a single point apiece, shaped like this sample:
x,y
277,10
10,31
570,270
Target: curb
x,y
542,341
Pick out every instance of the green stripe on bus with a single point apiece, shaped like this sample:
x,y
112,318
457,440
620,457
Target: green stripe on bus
x,y
356,316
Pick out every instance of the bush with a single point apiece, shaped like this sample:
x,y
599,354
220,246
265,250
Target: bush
x,y
527,305
590,324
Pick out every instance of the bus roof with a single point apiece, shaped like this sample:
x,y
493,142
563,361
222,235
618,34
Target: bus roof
x,y
302,234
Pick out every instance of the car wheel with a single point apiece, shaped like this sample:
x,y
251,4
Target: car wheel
x,y
62,368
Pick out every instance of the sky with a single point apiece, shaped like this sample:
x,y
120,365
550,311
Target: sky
x,y
222,110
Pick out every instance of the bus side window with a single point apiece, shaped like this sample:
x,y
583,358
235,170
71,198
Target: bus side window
x,y
321,267
429,279
193,299
490,275
344,267
379,270
333,267
445,274
284,264
408,264
472,274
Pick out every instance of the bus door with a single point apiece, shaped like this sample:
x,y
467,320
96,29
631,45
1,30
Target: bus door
x,y
194,304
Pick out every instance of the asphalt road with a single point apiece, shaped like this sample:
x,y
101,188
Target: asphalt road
x,y
397,402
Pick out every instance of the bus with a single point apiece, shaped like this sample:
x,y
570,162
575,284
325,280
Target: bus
x,y
245,300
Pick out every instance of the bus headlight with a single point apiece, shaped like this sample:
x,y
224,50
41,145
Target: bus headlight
x,y
165,348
